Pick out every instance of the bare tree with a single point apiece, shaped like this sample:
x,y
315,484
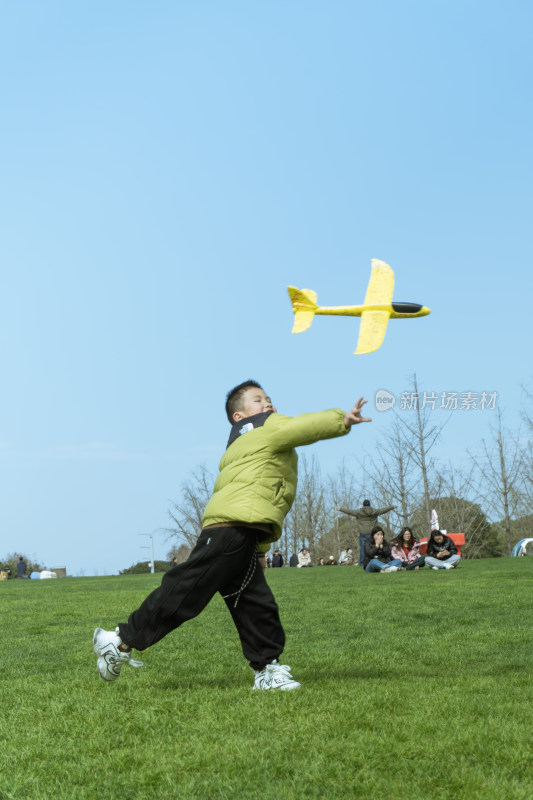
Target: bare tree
x,y
392,473
459,510
418,438
309,517
342,492
500,472
527,479
342,487
527,414
187,513
527,459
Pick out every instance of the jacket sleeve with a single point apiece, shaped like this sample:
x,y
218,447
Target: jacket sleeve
x,y
355,514
450,545
288,432
397,552
380,511
370,550
432,549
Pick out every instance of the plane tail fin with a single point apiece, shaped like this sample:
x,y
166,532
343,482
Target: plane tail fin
x,y
304,307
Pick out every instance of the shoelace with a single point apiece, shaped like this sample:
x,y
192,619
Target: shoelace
x,y
133,662
284,669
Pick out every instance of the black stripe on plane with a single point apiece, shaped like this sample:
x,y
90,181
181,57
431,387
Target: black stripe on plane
x,y
406,308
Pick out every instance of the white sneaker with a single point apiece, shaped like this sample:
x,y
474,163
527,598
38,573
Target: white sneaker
x,y
434,568
275,676
390,569
110,658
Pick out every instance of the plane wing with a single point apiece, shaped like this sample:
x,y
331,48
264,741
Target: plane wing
x,y
381,284
372,329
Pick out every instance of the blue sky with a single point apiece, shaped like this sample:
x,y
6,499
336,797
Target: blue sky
x,y
169,168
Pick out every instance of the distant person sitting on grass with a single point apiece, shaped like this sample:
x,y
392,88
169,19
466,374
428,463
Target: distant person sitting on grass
x,y
304,558
441,551
331,562
378,556
254,491
293,560
405,547
346,556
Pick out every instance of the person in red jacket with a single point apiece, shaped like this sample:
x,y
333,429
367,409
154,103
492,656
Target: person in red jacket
x,y
405,548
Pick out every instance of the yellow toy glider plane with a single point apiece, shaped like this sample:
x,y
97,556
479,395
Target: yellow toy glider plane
x,y
375,311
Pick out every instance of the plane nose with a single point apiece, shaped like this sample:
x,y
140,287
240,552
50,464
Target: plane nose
x,y
424,311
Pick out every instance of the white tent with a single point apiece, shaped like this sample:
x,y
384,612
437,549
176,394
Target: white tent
x,y
520,548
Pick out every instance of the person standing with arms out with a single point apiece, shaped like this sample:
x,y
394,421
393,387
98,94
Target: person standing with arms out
x,y
366,520
253,493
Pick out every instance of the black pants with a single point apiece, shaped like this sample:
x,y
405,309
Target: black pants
x,y
418,563
220,562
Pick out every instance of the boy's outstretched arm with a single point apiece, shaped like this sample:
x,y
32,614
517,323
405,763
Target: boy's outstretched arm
x,y
288,432
354,417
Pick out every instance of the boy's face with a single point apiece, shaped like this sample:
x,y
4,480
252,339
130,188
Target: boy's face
x,y
253,401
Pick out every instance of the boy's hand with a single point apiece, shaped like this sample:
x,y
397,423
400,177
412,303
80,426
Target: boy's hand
x,y
354,417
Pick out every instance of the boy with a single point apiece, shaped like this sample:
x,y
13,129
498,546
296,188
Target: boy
x,y
253,493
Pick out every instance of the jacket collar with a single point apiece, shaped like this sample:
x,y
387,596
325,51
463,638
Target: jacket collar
x,y
248,424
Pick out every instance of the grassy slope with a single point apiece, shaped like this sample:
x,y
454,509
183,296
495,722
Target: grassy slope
x,y
416,685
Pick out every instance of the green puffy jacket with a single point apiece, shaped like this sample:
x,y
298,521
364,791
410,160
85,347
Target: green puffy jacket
x,y
259,470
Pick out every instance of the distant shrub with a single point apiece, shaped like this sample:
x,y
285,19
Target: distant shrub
x,y
144,566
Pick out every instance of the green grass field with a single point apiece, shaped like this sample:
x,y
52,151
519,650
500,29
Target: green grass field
x,y
415,685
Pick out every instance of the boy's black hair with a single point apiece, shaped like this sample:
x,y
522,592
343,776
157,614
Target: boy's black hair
x,y
366,502
234,397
